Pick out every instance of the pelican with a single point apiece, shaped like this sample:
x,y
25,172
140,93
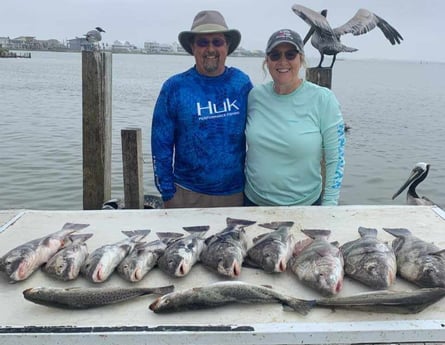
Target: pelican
x,y
327,40
418,174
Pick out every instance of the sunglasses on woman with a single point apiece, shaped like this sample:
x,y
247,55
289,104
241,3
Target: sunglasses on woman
x,y
204,42
289,55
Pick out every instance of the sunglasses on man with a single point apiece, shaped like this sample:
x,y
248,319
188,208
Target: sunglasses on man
x,y
204,42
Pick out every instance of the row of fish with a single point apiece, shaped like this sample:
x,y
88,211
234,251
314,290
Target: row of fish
x,y
316,261
232,292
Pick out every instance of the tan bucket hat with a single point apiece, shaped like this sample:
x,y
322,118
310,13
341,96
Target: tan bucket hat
x,y
209,22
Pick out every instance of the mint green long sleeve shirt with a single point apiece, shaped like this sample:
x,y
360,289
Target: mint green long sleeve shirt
x,y
287,136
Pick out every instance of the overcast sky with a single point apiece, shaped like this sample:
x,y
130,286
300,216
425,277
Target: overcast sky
x,y
420,22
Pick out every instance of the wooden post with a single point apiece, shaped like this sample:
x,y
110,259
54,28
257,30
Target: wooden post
x,y
320,75
96,128
132,161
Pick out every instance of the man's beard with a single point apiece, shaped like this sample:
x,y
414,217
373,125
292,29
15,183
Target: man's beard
x,y
211,65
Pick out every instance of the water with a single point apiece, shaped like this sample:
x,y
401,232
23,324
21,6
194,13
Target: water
x,y
395,109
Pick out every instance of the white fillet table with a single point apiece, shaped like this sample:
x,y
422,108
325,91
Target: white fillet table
x,y
23,322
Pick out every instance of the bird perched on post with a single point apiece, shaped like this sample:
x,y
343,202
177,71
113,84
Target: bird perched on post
x,y
327,40
94,37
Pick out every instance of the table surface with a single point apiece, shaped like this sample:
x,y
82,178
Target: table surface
x,y
21,316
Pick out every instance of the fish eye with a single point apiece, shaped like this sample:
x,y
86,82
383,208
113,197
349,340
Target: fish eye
x,y
372,267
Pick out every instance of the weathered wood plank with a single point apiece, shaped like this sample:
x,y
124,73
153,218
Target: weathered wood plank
x,y
132,163
96,128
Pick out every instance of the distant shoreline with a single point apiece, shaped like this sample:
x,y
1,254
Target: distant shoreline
x,y
137,52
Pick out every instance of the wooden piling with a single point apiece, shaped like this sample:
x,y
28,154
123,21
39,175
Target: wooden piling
x,y
132,162
96,128
320,75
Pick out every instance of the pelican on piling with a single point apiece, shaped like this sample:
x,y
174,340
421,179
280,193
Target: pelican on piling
x,y
418,174
327,40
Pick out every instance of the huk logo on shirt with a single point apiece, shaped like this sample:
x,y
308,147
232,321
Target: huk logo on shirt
x,y
212,110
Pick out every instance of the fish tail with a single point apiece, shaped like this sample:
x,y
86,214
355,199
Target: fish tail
x,y
162,290
313,233
80,237
398,232
133,233
299,305
169,237
198,229
74,226
244,222
367,231
276,225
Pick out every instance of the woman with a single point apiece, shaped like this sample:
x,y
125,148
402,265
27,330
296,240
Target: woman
x,y
292,124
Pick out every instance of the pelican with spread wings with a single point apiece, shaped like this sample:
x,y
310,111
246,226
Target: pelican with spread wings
x,y
327,40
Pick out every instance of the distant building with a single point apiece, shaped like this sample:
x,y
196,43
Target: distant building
x,y
4,42
77,44
159,48
53,44
25,42
123,47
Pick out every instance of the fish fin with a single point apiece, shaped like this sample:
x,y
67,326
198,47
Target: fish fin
x,y
301,245
440,253
74,226
367,231
132,233
169,237
398,232
79,238
276,225
259,237
314,233
336,244
155,243
198,229
234,221
299,305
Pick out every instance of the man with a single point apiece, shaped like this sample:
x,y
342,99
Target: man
x,y
197,134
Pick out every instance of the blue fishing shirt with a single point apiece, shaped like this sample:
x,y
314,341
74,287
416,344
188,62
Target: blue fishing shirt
x,y
197,133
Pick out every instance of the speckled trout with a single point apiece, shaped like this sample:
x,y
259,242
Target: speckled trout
x,y
224,293
84,298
